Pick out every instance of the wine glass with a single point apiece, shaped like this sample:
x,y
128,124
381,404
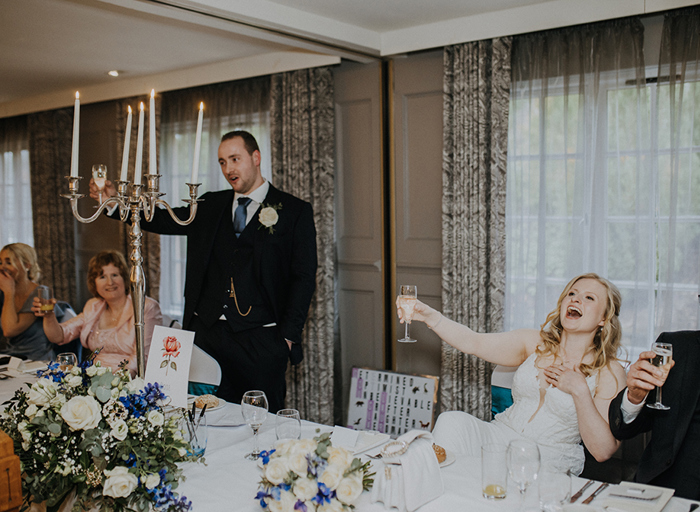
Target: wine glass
x,y
555,490
664,352
99,176
254,405
407,301
66,361
523,464
288,425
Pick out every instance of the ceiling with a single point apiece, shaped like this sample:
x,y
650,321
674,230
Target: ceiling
x,y
50,48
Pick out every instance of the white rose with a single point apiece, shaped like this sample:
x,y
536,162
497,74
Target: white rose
x,y
155,418
333,506
297,462
268,217
339,456
152,481
114,393
349,488
331,476
276,471
137,384
91,370
101,370
76,370
284,447
42,391
119,483
74,381
119,430
81,413
57,401
31,411
26,434
304,446
305,488
284,504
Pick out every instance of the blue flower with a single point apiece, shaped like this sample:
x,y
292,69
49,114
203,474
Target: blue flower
x,y
265,456
324,494
300,505
261,496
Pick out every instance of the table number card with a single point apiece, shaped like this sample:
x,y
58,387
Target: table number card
x,y
169,362
391,403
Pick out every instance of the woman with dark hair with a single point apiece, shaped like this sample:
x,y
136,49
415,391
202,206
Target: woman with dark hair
x,y
107,321
568,374
19,274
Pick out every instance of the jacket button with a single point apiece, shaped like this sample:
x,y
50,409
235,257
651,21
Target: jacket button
x,y
225,306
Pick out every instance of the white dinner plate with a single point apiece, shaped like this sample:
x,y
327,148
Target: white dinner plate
x,y
191,399
449,459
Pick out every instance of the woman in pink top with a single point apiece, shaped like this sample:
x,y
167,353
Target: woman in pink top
x,y
107,321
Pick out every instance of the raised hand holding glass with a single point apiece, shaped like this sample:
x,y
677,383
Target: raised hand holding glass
x,y
407,302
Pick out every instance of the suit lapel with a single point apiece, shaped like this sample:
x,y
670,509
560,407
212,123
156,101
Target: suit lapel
x,y
689,389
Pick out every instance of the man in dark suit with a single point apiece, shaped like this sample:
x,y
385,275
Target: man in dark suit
x,y
672,457
251,273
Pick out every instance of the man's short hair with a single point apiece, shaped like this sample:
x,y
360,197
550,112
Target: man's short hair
x,y
249,141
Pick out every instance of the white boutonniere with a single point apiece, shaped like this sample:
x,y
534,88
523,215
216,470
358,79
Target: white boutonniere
x,y
268,216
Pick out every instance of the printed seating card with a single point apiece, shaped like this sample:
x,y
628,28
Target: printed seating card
x,y
391,403
169,362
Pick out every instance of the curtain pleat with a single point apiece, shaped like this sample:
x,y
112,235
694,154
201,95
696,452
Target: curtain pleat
x,y
302,127
150,243
475,133
50,135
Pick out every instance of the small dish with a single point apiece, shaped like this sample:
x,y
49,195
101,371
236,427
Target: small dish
x,y
449,459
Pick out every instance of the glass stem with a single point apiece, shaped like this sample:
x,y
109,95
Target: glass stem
x,y
406,330
255,441
658,395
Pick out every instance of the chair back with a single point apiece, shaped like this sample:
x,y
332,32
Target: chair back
x,y
501,384
205,373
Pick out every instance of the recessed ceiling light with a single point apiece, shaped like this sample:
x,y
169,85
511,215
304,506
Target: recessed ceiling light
x,y
114,72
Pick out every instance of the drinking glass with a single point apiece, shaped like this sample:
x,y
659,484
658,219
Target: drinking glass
x,y
523,464
494,473
196,434
555,490
66,361
288,424
44,294
254,406
664,352
407,301
99,175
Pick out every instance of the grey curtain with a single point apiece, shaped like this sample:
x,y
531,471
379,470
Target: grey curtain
x,y
50,135
302,133
475,134
150,243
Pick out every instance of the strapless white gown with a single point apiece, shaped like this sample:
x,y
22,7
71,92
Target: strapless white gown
x,y
554,427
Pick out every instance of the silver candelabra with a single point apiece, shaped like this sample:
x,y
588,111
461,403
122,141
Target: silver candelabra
x,y
136,203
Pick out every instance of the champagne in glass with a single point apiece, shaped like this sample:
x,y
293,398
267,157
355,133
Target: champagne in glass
x,y
254,407
407,302
99,176
663,353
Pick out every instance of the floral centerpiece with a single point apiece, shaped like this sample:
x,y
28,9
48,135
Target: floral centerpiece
x,y
311,475
100,434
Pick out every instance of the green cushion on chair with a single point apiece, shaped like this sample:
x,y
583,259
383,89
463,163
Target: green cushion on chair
x,y
501,399
199,388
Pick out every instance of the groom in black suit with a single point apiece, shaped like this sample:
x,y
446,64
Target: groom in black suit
x,y
672,457
251,273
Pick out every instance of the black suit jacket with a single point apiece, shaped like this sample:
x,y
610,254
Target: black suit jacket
x,y
663,456
285,261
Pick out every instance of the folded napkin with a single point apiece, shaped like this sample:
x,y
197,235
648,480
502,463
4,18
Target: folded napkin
x,y
408,479
635,497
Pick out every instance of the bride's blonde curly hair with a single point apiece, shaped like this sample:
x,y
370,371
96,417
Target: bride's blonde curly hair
x,y
606,341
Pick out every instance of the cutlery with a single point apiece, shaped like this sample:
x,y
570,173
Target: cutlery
x,y
600,489
581,491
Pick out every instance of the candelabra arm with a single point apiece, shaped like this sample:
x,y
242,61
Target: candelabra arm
x,y
192,201
86,220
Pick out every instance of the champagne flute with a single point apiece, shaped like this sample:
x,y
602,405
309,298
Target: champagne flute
x,y
99,175
664,352
254,406
407,301
523,464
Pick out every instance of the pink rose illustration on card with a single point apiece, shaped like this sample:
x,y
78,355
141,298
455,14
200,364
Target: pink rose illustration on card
x,y
171,350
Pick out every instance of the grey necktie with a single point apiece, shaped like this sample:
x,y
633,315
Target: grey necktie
x,y
241,214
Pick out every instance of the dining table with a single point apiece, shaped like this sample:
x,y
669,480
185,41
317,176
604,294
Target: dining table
x,y
225,480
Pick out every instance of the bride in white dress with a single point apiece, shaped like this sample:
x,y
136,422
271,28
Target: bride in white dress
x,y
568,374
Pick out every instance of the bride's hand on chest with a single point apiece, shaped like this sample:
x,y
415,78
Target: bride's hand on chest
x,y
566,379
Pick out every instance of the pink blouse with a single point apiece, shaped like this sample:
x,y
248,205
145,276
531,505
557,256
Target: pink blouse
x,y
118,343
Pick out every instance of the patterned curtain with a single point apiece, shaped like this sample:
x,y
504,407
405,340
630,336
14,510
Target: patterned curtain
x,y
302,131
150,243
50,135
475,134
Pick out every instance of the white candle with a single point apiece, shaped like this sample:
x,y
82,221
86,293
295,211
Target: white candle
x,y
152,159
76,137
125,154
197,145
139,148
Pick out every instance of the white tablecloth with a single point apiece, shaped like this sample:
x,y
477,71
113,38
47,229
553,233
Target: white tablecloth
x,y
229,482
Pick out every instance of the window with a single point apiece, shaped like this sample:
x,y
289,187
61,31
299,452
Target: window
x,y
591,188
15,191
